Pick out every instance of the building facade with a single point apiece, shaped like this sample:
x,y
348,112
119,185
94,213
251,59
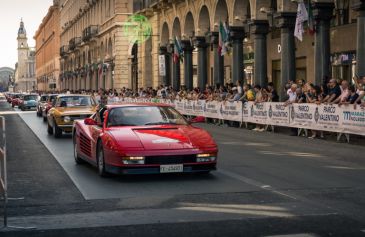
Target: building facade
x,y
263,46
6,78
25,68
94,50
47,54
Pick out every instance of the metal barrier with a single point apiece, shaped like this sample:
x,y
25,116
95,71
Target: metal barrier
x,y
4,178
3,169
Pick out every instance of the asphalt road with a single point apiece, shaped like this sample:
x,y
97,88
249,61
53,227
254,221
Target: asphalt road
x,y
266,184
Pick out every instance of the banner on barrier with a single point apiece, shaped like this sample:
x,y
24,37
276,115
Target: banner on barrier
x,y
344,119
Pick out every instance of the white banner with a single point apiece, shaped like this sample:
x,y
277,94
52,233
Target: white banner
x,y
162,65
278,114
231,111
258,113
344,119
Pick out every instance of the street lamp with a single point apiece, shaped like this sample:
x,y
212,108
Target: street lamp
x,y
341,6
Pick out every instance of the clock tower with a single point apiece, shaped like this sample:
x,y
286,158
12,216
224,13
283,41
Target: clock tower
x,y
22,50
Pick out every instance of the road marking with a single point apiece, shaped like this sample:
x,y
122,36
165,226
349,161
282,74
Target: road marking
x,y
344,167
294,235
254,183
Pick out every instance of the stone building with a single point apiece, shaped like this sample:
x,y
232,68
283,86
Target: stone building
x,y
47,40
93,49
6,77
264,48
25,68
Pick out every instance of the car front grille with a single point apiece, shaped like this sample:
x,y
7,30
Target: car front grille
x,y
175,159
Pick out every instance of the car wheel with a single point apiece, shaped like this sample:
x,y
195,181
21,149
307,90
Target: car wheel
x,y
100,161
78,160
57,131
49,128
22,108
12,105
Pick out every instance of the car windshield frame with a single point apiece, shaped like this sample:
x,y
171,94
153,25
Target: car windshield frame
x,y
44,98
169,116
90,103
26,97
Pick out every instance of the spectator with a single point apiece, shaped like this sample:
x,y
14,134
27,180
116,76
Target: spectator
x,y
344,93
273,95
352,97
248,94
333,93
292,95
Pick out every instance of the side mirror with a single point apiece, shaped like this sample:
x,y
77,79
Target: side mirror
x,y
90,121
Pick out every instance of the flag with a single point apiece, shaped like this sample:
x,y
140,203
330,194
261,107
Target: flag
x,y
100,67
178,52
311,29
302,16
222,48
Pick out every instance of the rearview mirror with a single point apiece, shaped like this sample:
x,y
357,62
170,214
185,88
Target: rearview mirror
x,y
199,119
90,121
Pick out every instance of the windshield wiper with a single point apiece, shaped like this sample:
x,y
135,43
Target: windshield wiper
x,y
159,123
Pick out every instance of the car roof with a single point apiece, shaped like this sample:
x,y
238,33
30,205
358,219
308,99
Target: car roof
x,y
136,104
67,95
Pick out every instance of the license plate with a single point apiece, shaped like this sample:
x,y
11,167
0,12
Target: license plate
x,y
171,168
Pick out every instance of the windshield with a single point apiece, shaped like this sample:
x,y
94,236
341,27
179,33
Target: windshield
x,y
73,101
146,115
30,97
44,98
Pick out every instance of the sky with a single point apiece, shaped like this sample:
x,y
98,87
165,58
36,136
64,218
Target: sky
x,y
11,11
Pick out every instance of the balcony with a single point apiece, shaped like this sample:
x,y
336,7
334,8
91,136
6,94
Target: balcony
x,y
63,50
89,32
73,43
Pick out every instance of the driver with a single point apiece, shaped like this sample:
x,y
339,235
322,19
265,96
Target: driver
x,y
117,117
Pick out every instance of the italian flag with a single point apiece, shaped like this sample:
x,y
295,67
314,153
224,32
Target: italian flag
x,y
222,48
177,51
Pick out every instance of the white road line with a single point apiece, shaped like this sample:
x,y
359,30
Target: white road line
x,y
254,183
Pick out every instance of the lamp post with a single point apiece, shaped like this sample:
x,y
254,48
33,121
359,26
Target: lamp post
x,y
341,6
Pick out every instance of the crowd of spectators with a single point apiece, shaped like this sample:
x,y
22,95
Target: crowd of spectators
x,y
330,92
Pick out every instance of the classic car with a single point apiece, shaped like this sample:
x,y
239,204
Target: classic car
x,y
48,105
143,138
42,101
67,109
15,99
29,102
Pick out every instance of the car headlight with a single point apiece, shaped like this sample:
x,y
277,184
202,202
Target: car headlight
x,y
133,160
67,119
206,157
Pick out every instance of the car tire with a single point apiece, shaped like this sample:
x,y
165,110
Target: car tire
x,y
57,132
22,108
78,160
49,129
100,162
12,105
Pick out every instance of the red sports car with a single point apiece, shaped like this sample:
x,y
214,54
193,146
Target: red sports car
x,y
143,138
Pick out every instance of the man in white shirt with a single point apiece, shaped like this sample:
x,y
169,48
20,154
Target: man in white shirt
x,y
292,94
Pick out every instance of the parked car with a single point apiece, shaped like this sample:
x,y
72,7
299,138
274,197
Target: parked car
x,y
47,106
143,139
41,103
28,102
67,109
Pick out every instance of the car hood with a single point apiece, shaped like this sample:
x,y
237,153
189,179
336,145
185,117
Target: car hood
x,y
163,137
76,110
